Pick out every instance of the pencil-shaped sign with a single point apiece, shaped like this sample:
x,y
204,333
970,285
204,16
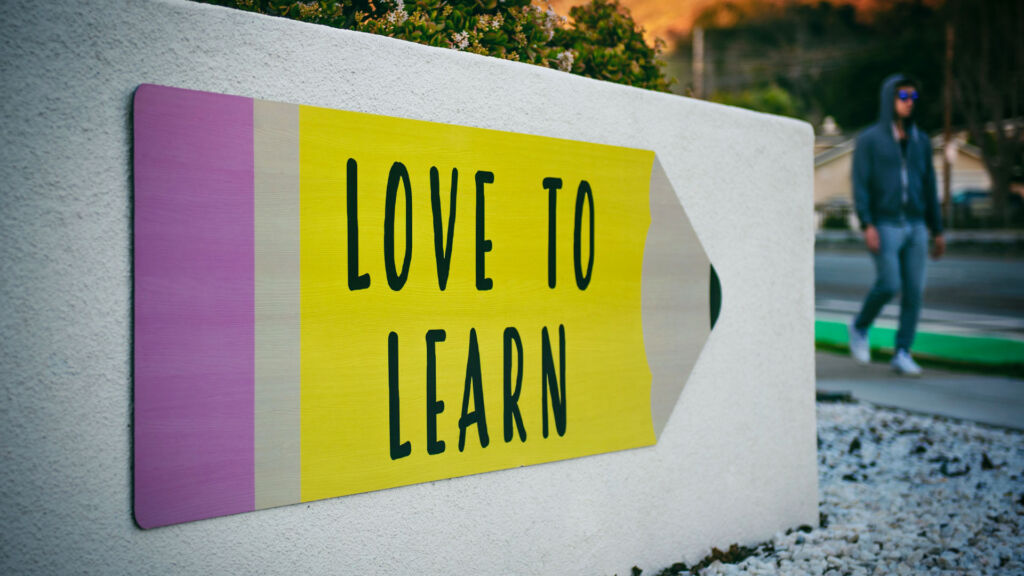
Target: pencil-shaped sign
x,y
330,302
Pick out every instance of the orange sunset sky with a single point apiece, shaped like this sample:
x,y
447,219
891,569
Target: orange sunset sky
x,y
666,18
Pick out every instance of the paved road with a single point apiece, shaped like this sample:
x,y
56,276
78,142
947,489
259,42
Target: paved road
x,y
982,294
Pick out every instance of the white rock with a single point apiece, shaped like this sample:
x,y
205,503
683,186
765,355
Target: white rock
x,y
903,515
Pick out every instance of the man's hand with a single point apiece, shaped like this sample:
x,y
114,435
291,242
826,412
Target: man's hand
x,y
938,247
871,239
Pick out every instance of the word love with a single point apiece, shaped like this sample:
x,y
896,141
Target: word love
x,y
398,176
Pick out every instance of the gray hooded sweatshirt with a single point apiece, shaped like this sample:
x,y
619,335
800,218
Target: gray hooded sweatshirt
x,y
890,186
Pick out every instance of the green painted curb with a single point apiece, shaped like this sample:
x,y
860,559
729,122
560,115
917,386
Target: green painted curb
x,y
957,348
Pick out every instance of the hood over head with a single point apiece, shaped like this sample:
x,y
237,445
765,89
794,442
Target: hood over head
x,y
887,96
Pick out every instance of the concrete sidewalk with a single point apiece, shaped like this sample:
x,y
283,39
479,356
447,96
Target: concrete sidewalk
x,y
996,400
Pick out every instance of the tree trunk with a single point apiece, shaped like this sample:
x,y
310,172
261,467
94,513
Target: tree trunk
x,y
989,70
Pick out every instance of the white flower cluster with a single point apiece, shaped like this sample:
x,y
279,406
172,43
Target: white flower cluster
x,y
565,60
459,41
551,21
396,17
488,22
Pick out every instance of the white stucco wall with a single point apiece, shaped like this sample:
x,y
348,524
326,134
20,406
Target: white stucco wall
x,y
735,464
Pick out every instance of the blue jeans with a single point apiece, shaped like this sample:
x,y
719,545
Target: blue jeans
x,y
899,266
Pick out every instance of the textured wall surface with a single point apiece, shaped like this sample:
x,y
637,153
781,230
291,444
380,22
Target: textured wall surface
x,y
736,461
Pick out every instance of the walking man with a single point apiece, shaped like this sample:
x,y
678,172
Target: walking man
x,y
895,196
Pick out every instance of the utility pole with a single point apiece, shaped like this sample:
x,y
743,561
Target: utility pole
x,y
698,62
949,148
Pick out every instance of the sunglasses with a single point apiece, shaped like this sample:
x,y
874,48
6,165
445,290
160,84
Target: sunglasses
x,y
907,95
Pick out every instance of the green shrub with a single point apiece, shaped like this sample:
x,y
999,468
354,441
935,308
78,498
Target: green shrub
x,y
610,46
771,100
602,41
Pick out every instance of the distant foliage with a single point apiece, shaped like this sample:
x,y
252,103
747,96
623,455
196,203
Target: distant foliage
x,y
602,41
830,56
771,100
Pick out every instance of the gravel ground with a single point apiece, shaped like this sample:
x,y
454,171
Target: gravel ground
x,y
900,494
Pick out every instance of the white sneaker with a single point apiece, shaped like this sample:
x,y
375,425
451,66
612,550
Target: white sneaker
x,y
859,347
904,365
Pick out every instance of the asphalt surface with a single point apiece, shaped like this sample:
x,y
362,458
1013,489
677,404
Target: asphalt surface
x,y
972,294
